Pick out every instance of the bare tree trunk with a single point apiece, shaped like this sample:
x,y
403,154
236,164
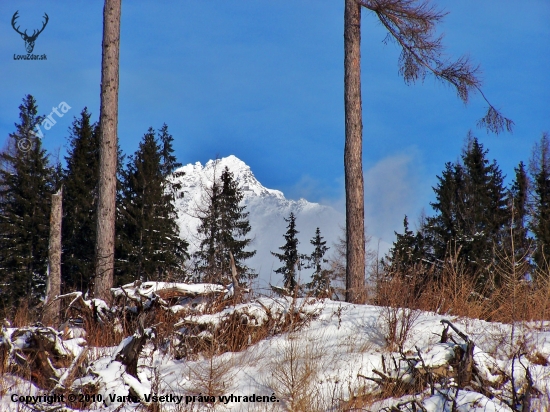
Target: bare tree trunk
x,y
53,289
353,163
108,118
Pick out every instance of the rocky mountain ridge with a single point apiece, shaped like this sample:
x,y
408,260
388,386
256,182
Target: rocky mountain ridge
x,y
267,208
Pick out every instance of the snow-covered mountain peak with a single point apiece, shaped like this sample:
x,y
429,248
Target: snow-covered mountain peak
x,y
197,174
267,209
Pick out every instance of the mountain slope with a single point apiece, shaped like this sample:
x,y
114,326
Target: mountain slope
x,y
267,208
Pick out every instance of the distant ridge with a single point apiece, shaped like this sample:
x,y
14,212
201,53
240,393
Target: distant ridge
x,y
267,208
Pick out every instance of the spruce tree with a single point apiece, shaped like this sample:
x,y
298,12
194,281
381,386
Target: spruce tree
x,y
517,239
471,211
149,245
409,250
409,258
206,257
540,214
223,229
26,186
290,257
447,226
485,206
234,227
169,163
320,279
80,191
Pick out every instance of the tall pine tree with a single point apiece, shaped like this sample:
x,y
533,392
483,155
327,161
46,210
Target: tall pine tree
x,y
408,252
486,205
289,257
320,279
150,247
206,258
223,229
471,211
80,180
447,225
517,241
26,186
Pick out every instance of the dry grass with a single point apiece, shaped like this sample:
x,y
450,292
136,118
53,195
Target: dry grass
x,y
23,316
212,376
396,295
451,289
294,372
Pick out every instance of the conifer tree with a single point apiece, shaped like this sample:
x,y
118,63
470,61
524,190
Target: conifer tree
x,y
485,205
447,225
234,227
224,227
290,257
26,185
471,210
207,257
517,238
540,213
408,250
320,279
169,162
409,259
80,187
149,246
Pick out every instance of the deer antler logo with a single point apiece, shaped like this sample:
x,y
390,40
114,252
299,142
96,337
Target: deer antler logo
x,y
29,40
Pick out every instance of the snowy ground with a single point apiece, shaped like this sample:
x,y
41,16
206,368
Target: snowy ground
x,y
317,368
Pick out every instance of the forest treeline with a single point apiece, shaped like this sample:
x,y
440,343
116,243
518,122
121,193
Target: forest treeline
x,y
148,241
480,221
483,234
485,250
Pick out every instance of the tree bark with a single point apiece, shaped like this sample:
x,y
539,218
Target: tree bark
x,y
53,288
353,163
108,118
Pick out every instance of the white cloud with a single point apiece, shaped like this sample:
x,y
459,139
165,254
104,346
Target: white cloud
x,y
393,189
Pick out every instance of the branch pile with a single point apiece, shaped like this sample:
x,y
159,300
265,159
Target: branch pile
x,y
36,353
451,374
139,296
237,327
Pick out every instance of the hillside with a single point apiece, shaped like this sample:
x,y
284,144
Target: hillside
x,y
289,355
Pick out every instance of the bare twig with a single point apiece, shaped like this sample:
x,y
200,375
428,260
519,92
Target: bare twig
x,y
411,23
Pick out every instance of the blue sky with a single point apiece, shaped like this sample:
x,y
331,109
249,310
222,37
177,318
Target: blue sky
x,y
264,81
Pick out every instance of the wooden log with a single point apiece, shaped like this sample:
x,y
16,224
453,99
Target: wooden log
x,y
66,380
466,361
128,352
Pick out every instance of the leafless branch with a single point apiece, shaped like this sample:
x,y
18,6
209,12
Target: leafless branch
x,y
411,23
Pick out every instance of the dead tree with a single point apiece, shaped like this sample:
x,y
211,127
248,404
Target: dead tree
x,y
53,289
108,119
411,24
353,149
35,353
